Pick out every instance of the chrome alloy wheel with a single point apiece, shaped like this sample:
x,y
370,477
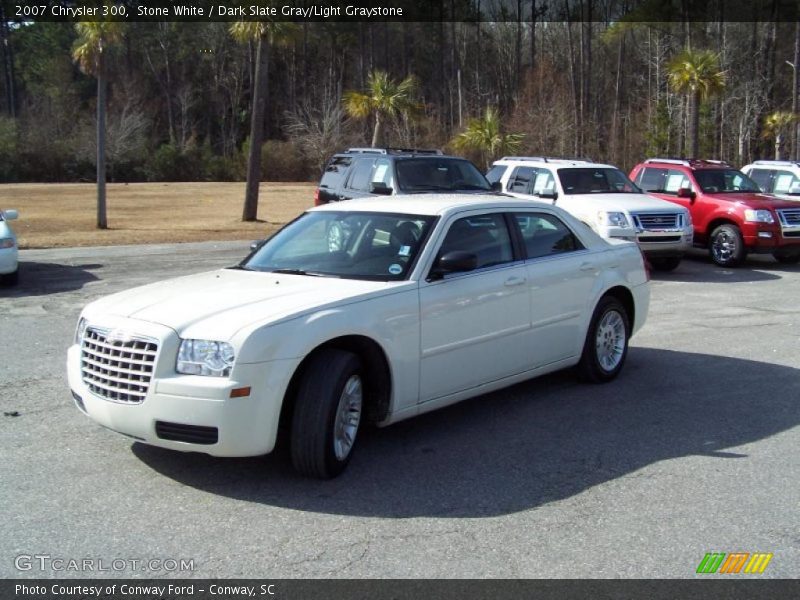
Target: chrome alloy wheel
x,y
723,246
348,417
610,340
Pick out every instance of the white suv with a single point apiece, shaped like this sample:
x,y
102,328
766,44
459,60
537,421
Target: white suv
x,y
778,177
603,198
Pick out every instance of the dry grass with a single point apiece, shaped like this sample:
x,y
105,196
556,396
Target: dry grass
x,y
57,215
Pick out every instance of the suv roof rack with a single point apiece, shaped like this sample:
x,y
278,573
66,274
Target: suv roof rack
x,y
778,163
394,151
549,159
689,162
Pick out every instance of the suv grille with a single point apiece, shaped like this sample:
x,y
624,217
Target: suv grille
x,y
790,216
658,220
118,368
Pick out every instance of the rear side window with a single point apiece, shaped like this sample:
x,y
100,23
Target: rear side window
x,y
486,236
662,181
545,235
334,172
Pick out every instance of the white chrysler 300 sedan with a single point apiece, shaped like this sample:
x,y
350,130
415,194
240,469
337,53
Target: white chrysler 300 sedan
x,y
367,311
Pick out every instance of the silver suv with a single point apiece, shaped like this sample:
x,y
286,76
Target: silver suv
x,y
603,198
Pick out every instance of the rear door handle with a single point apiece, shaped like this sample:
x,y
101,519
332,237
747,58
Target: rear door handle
x,y
512,281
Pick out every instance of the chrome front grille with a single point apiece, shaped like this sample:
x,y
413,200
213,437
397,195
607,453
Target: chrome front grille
x,y
654,221
790,217
116,365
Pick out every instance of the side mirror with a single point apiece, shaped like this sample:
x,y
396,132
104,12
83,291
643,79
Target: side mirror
x,y
686,193
10,214
379,187
549,195
497,186
455,261
256,245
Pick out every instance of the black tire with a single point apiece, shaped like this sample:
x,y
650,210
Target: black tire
x,y
665,264
591,367
726,246
315,411
10,278
787,259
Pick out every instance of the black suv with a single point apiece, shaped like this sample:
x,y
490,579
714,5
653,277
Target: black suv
x,y
361,172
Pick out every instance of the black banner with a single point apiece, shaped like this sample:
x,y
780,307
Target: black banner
x,y
405,589
402,10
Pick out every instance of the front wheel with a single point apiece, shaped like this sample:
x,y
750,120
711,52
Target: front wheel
x,y
327,414
606,344
726,246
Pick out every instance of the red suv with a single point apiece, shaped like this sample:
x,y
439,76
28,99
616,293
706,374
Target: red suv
x,y
731,216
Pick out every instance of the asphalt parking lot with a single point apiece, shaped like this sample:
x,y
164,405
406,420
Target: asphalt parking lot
x,y
692,450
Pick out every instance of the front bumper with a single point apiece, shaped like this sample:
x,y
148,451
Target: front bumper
x,y
766,239
9,259
191,404
665,243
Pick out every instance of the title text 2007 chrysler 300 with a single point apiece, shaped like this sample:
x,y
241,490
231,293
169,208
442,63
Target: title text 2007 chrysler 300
x,y
360,311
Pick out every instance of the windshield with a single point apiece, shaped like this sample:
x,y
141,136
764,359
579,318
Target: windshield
x,y
722,181
595,181
347,244
439,175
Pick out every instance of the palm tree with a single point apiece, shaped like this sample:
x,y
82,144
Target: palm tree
x,y
94,39
775,125
383,98
264,34
697,75
486,136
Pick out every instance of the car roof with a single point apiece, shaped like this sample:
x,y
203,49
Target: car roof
x,y
395,153
695,164
434,204
540,161
792,164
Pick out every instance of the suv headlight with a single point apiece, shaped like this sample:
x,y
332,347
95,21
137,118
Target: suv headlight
x,y
617,219
758,216
80,330
7,243
687,219
205,357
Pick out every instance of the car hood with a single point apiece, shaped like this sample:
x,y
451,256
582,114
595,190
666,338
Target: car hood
x,y
755,200
217,304
629,202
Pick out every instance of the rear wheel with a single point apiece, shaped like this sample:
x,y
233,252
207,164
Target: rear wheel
x,y
726,246
665,264
787,259
327,414
606,345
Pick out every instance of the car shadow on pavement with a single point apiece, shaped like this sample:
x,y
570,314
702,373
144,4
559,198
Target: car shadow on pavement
x,y
698,268
43,278
520,448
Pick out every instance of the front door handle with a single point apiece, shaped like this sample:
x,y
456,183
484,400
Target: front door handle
x,y
587,266
512,281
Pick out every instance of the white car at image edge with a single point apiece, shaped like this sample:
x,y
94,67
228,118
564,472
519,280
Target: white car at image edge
x,y
361,312
9,254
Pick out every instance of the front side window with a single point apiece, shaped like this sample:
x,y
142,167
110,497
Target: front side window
x,y
415,175
761,177
588,180
361,176
346,244
485,236
723,181
545,235
785,182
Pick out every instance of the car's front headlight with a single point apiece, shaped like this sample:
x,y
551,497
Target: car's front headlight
x,y
7,243
687,219
80,330
205,357
758,216
616,219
